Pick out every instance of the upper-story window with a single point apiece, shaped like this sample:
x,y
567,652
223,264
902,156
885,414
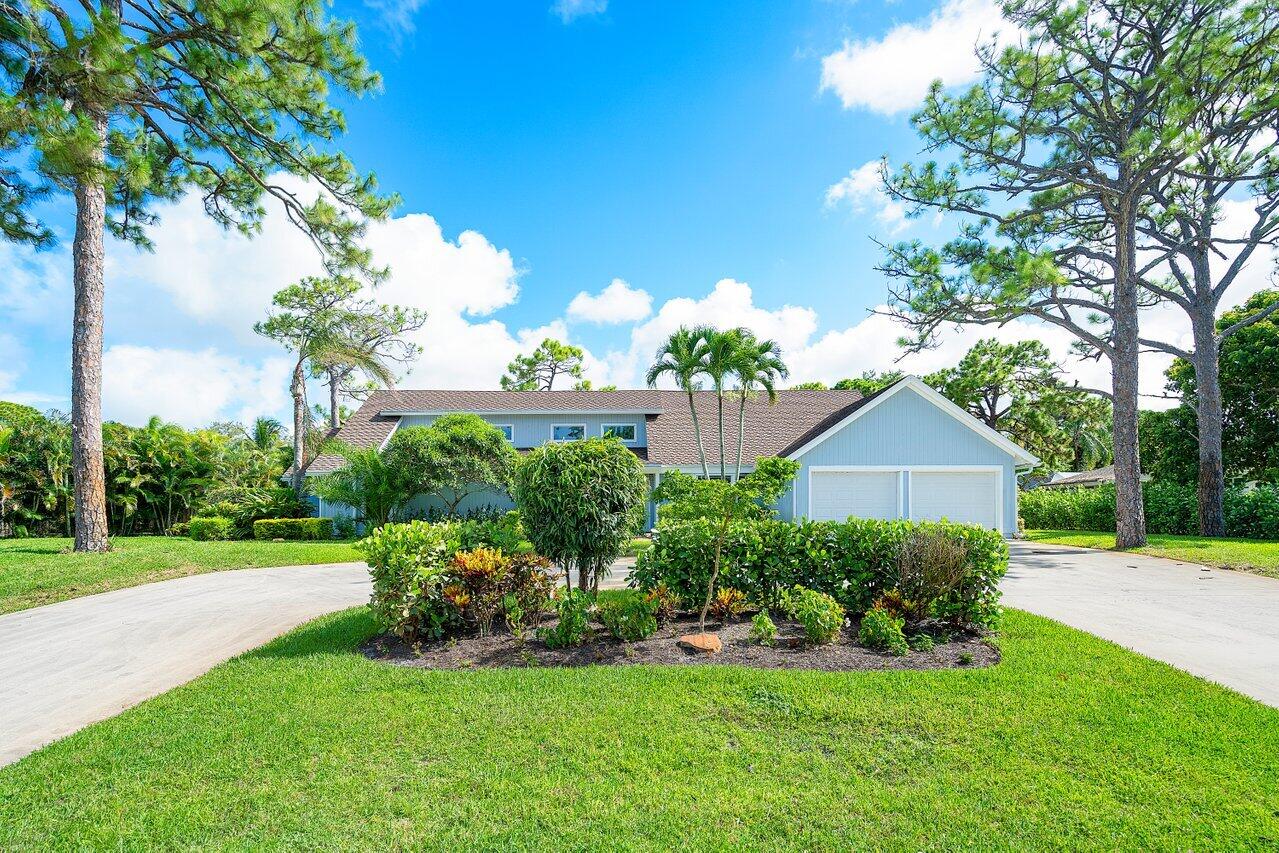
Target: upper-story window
x,y
625,432
508,431
568,432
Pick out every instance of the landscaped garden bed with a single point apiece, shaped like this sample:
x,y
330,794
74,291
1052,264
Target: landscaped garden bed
x,y
789,651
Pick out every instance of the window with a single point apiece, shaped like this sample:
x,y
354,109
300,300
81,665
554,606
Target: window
x,y
508,431
625,432
568,432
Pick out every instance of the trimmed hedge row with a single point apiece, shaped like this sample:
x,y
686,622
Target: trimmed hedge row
x,y
293,528
853,561
1170,508
205,528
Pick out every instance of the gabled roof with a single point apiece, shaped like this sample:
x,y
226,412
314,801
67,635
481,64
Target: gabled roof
x,y
797,422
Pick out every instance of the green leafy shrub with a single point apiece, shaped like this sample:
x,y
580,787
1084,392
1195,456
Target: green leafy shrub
x,y
1171,508
820,614
582,502
211,527
293,528
763,630
882,630
921,642
408,563
531,583
629,617
573,607
245,505
855,561
182,528
344,527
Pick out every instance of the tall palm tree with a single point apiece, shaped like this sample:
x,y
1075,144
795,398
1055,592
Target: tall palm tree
x,y
722,353
683,358
266,434
758,365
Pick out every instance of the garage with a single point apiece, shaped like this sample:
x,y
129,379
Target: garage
x,y
969,495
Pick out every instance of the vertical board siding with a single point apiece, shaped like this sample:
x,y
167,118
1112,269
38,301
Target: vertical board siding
x,y
905,429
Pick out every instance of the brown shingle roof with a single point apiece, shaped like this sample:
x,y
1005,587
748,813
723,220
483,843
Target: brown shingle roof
x,y
771,430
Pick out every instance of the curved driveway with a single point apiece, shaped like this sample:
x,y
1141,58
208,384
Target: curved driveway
x,y
1215,623
69,664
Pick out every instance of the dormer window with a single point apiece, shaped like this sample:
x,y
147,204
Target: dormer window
x,y
625,432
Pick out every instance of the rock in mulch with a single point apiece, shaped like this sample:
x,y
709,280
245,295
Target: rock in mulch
x,y
707,644
736,647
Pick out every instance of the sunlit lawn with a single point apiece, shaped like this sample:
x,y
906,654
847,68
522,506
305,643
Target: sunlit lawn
x,y
1071,742
1252,555
41,571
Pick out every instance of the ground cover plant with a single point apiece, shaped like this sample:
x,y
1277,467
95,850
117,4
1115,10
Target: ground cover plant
x,y
307,743
1171,508
42,571
1247,555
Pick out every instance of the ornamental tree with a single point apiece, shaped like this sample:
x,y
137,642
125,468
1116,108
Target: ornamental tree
x,y
538,370
457,456
120,104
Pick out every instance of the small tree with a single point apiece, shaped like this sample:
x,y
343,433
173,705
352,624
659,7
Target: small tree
x,y
581,502
682,357
538,370
757,366
455,457
723,503
367,483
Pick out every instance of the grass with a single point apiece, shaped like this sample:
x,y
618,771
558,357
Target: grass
x,y
42,571
1249,555
636,546
1070,742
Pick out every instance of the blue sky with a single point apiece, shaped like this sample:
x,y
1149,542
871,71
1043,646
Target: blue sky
x,y
599,171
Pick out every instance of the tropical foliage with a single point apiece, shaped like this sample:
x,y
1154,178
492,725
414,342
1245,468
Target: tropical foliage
x,y
457,456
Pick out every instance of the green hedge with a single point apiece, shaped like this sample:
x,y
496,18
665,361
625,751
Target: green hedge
x,y
293,528
1170,508
211,527
853,561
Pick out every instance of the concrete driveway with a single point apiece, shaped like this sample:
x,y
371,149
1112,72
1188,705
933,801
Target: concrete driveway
x,y
1215,623
66,665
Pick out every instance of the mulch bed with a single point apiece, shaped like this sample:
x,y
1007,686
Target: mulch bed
x,y
503,650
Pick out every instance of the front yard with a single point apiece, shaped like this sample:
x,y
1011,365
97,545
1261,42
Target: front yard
x,y
42,571
1249,555
1070,741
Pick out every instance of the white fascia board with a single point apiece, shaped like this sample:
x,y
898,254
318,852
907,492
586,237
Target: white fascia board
x,y
937,399
509,412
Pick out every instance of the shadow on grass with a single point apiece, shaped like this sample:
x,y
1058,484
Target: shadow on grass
x,y
338,633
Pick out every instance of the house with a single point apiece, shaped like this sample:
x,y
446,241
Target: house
x,y
904,452
1084,479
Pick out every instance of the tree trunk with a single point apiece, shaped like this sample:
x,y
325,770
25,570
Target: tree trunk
x,y
741,422
1130,516
335,421
298,390
719,399
697,433
710,587
88,259
1212,476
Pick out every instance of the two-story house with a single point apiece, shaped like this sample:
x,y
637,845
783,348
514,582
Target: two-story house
x,y
905,452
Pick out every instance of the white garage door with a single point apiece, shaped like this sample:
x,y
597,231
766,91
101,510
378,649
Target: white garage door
x,y
970,497
866,494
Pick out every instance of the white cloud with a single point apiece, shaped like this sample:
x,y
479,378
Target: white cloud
x,y
893,73
617,303
570,10
34,286
396,16
862,189
189,387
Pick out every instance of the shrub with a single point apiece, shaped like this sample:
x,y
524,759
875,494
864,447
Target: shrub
x,y
182,528
293,528
573,628
408,563
819,613
629,617
530,584
245,505
882,630
582,502
727,604
211,527
921,642
457,456
483,574
665,603
930,566
855,562
344,527
763,631
1171,508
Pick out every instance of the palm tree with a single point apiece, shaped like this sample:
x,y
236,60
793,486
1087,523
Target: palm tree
x,y
683,358
266,434
722,353
758,365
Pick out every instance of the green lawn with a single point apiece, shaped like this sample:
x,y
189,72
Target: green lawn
x,y
1250,555
41,571
1070,742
